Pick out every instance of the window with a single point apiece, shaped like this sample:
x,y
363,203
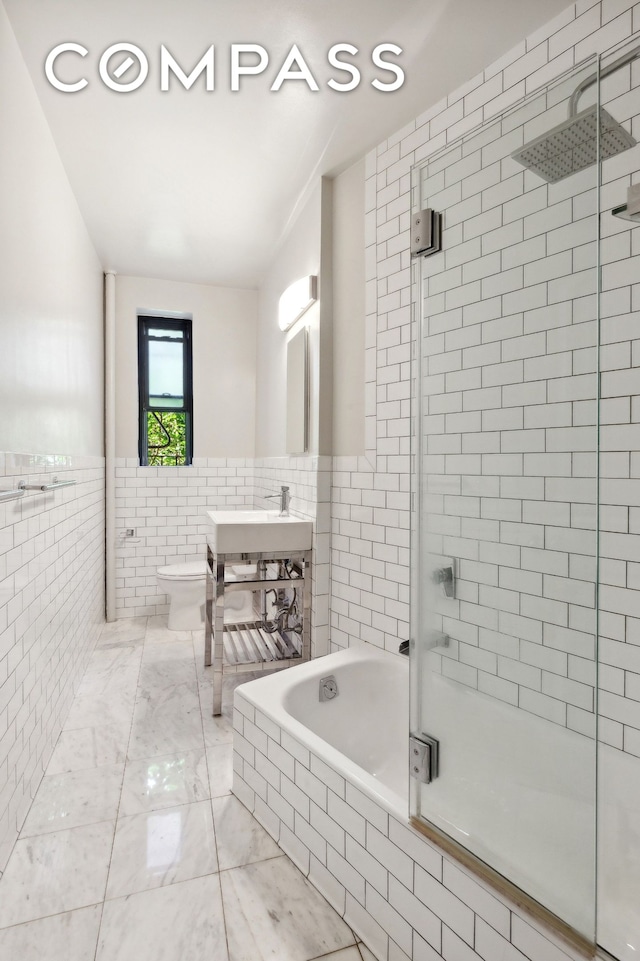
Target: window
x,y
165,392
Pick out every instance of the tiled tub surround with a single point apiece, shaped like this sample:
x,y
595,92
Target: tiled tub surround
x,y
370,524
346,829
508,391
370,500
51,611
619,549
166,508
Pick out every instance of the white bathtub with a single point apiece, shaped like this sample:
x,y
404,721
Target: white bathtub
x,y
329,781
361,733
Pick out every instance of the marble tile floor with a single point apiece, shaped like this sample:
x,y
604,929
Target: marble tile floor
x,y
134,848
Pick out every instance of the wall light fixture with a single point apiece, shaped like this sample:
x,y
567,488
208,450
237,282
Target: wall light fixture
x,y
297,299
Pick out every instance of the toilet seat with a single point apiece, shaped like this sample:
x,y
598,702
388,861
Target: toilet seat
x,y
191,571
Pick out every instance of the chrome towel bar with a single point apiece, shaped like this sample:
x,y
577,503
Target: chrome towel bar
x,y
54,485
8,495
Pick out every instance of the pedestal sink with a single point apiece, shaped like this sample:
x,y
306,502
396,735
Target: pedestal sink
x,y
279,551
236,532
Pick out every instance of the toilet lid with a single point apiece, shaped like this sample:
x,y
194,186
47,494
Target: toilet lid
x,y
191,570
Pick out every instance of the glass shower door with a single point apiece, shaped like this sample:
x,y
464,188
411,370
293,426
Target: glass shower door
x,y
618,925
505,518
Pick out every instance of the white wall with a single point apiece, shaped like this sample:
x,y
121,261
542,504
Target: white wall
x,y
51,403
224,359
306,250
51,283
348,311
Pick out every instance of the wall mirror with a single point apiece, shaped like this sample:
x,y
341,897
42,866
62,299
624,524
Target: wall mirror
x,y
297,394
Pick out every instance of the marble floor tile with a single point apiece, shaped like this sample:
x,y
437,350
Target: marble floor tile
x,y
162,847
106,710
165,723
6,845
56,872
110,684
158,632
197,639
180,922
240,839
147,697
272,911
70,800
166,679
346,954
109,659
88,747
217,730
64,937
158,622
167,649
151,784
205,674
125,631
365,953
110,670
220,764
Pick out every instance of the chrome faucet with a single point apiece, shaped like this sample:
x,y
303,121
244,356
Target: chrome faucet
x,y
285,500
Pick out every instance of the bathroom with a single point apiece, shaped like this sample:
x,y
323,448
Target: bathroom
x,y
523,485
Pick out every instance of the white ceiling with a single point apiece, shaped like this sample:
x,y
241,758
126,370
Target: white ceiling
x,y
199,186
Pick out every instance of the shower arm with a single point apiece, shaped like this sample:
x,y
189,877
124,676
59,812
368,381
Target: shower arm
x,y
593,78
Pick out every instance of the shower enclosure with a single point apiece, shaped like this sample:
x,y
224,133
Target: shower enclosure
x,y
523,530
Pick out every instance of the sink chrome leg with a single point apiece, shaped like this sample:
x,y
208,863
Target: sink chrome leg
x,y
306,607
209,607
218,636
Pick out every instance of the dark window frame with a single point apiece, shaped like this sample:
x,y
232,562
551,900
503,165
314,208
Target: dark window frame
x,y
146,322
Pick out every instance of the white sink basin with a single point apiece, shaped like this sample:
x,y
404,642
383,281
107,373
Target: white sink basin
x,y
248,532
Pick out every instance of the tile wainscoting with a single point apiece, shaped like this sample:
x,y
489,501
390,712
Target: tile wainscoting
x,y
165,506
51,612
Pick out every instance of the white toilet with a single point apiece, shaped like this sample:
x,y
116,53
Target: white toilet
x,y
185,585
238,607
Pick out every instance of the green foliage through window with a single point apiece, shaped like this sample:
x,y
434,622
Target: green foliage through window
x,y
166,438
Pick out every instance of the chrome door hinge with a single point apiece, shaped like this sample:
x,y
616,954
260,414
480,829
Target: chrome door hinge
x,y
426,233
423,757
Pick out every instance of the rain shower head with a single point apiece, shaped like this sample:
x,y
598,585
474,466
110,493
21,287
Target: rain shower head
x,y
573,145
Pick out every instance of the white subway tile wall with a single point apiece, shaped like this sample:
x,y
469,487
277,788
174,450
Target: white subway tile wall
x,y
509,433
398,892
51,611
166,507
619,643
514,462
309,480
